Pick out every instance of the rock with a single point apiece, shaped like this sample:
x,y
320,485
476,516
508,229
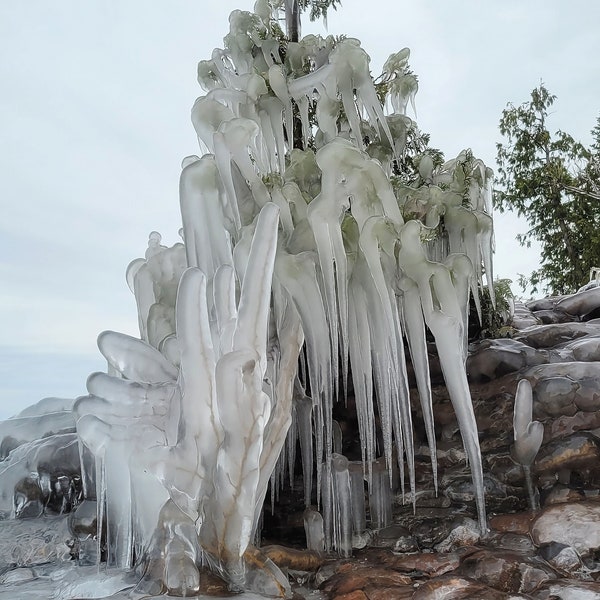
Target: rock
x,y
555,396
17,576
568,589
290,558
355,595
388,536
582,304
549,336
30,542
397,593
429,563
563,558
512,542
560,493
453,587
506,470
563,388
519,523
327,571
578,452
28,499
351,578
505,571
82,521
564,426
522,317
461,491
551,316
584,349
429,526
572,524
547,303
405,544
491,359
464,534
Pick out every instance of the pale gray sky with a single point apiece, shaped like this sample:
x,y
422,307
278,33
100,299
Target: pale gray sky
x,y
94,121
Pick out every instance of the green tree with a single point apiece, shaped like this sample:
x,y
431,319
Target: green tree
x,y
553,181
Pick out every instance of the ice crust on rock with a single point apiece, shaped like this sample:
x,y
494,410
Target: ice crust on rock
x,y
289,255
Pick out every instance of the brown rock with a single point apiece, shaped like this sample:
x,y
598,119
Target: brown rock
x,y
577,452
490,359
560,493
355,595
505,571
453,587
581,303
566,425
429,563
512,523
568,589
396,593
351,577
291,558
551,316
511,542
562,388
548,336
574,524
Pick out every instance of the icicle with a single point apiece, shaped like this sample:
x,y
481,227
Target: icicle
x,y
225,306
362,376
380,496
417,343
290,449
279,86
444,318
528,435
327,503
255,295
303,409
268,151
207,117
202,202
313,527
110,444
303,103
357,493
291,339
327,113
337,437
485,227
284,210
342,519
463,236
461,272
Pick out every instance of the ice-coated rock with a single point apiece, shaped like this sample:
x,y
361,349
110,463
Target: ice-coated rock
x,y
573,524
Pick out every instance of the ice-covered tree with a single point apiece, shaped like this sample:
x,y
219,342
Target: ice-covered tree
x,y
318,230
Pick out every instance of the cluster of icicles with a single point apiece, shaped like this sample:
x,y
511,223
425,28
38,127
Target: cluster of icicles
x,y
290,256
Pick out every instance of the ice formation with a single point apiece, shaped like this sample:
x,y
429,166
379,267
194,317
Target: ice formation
x,y
300,247
528,435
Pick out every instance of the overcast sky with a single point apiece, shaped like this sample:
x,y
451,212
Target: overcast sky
x,y
94,121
